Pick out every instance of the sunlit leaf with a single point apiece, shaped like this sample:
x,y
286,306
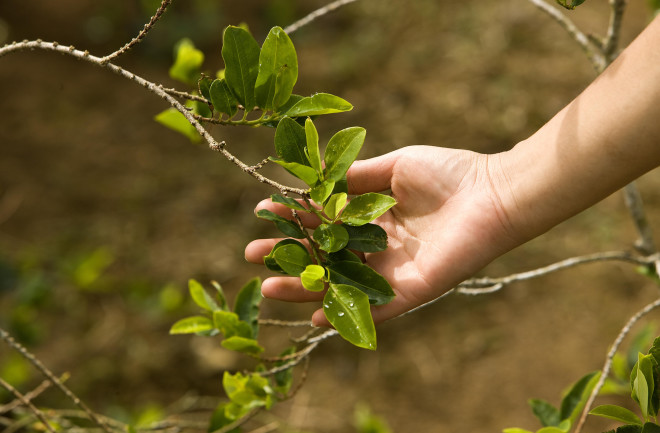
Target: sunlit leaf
x,y
201,297
364,278
312,141
176,121
617,413
247,303
278,70
241,55
284,225
347,309
330,237
269,260
516,430
222,300
230,325
222,98
187,62
293,259
303,172
320,103
341,151
368,238
366,207
334,206
322,191
191,325
242,345
290,141
312,278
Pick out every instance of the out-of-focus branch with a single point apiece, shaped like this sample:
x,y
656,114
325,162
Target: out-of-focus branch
x,y
633,199
29,397
610,356
611,43
27,403
316,14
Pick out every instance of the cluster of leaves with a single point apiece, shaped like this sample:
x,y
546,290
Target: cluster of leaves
x,y
254,79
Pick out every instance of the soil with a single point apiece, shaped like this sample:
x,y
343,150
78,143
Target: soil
x,y
84,168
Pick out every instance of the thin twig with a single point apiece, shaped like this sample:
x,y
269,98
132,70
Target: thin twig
x,y
634,203
239,422
185,95
301,356
617,8
610,356
27,403
29,397
285,323
136,40
4,335
597,60
316,14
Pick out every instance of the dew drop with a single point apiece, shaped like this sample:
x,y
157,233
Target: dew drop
x,y
341,313
326,306
351,305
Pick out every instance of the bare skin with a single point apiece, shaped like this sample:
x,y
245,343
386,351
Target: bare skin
x,y
458,210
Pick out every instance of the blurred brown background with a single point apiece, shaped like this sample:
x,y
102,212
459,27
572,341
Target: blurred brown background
x,y
104,214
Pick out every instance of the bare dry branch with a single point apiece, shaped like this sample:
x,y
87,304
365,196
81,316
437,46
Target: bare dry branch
x,y
27,403
316,14
285,323
29,397
610,355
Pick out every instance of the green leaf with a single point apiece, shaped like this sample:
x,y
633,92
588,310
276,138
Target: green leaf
x,y
650,427
364,278
642,382
365,208
187,62
551,430
576,397
303,172
284,225
331,237
269,260
617,413
343,256
278,70
347,309
322,191
293,259
221,295
230,325
312,278
201,298
516,430
249,391
247,303
222,417
222,98
242,345
241,55
320,103
368,238
570,4
290,141
176,121
312,140
342,150
288,202
191,325
334,206
293,100
204,87
545,412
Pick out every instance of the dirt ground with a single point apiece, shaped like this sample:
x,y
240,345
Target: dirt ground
x,y
85,172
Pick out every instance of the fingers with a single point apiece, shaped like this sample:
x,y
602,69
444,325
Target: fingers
x,y
308,219
288,289
371,175
256,250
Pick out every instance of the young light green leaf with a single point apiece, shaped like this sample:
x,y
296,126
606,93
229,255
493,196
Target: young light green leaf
x,y
322,191
334,206
342,150
176,121
347,309
230,325
288,202
284,225
330,237
320,103
293,259
201,298
312,139
516,430
365,208
642,387
241,55
551,430
247,391
364,278
312,278
188,60
368,238
224,415
222,98
269,260
191,325
303,172
222,300
278,70
242,345
617,413
576,397
247,303
290,141
545,412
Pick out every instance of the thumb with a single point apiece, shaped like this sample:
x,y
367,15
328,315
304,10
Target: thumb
x,y
371,175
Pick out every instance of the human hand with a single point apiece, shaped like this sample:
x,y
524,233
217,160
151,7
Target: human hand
x,y
448,223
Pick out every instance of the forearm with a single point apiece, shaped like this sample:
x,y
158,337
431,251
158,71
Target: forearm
x,y
605,138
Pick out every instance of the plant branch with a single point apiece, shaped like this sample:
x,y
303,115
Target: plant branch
x,y
285,323
597,60
136,40
633,200
617,8
4,335
185,95
29,397
610,356
39,414
316,14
